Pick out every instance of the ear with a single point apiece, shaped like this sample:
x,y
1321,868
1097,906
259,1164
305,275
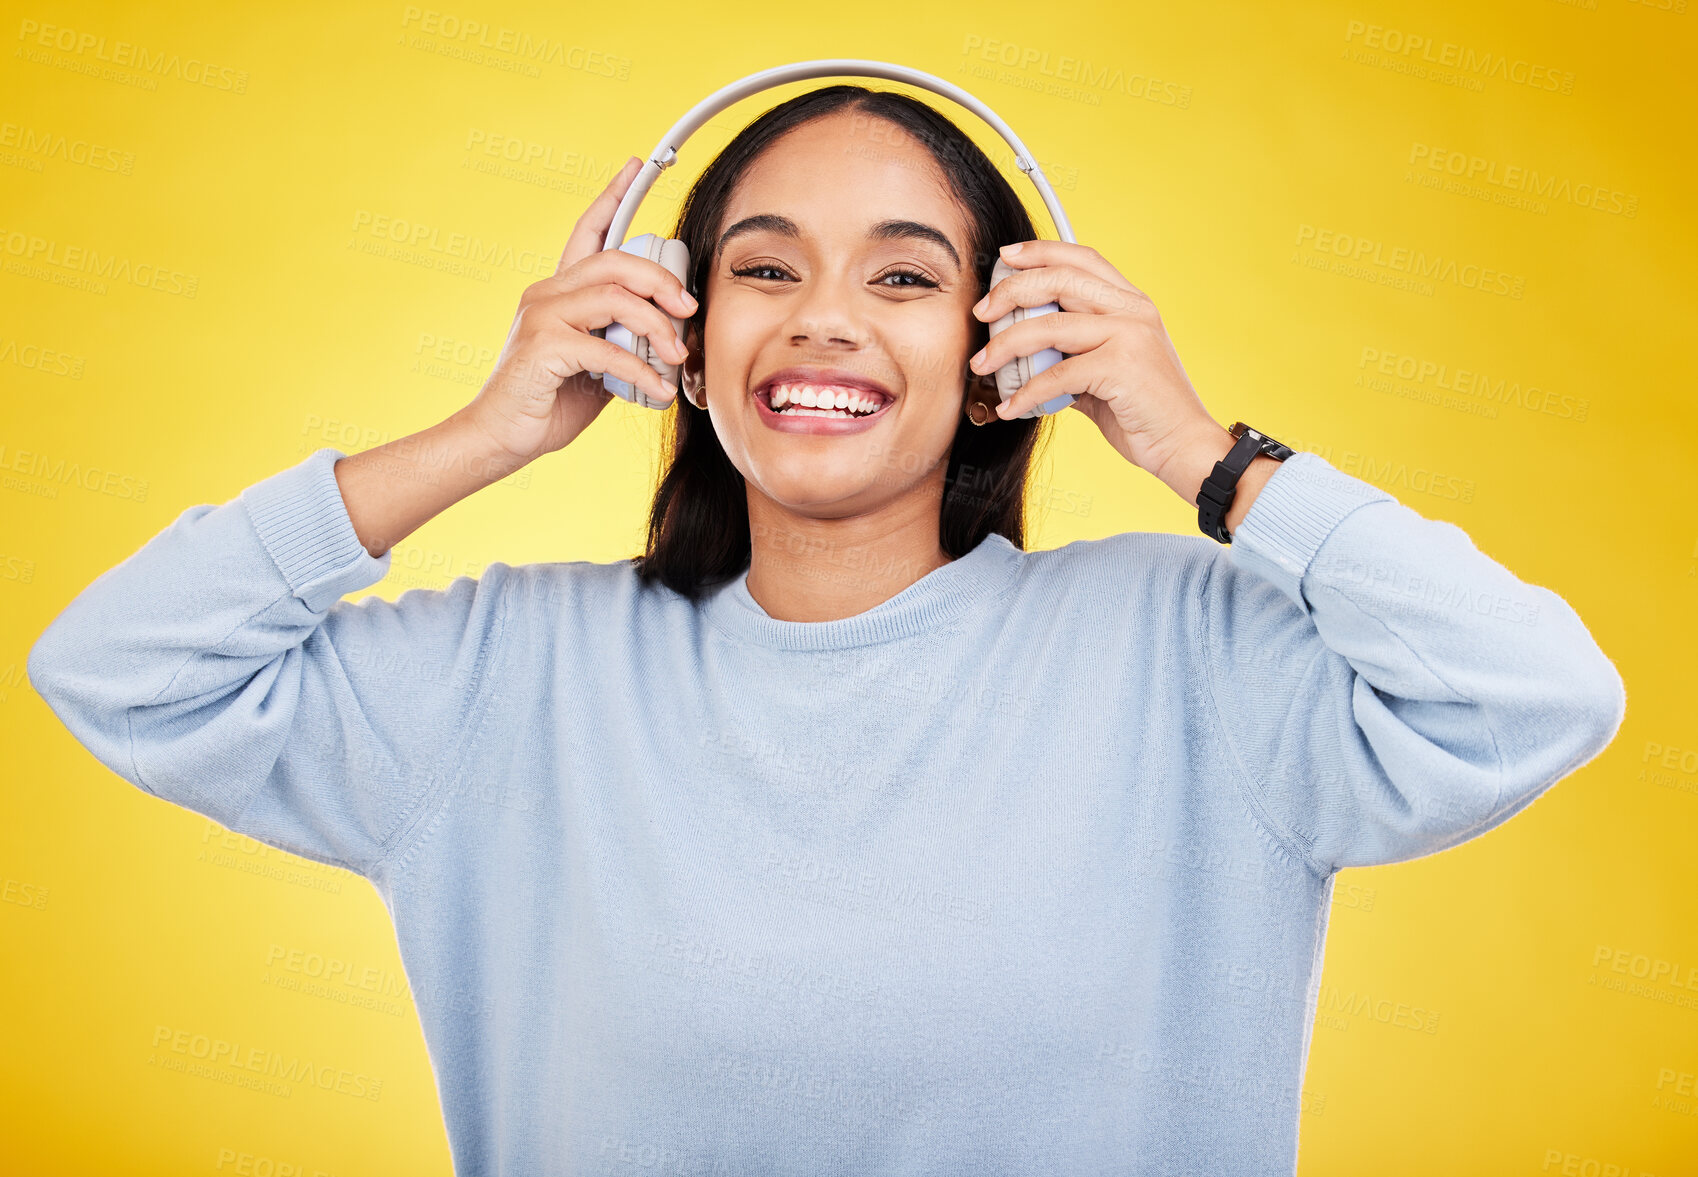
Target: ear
x,y
691,372
982,390
982,387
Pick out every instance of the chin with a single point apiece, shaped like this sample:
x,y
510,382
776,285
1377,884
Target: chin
x,y
821,498
830,477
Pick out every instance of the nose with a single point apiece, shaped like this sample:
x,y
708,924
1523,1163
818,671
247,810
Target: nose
x,y
825,315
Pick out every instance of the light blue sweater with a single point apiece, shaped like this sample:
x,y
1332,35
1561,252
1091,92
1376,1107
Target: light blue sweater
x,y
1025,869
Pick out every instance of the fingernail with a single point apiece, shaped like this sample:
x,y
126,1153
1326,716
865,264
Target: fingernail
x,y
689,300
1011,250
979,307
976,361
1003,409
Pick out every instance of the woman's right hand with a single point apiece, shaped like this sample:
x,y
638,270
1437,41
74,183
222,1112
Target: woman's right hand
x,y
541,394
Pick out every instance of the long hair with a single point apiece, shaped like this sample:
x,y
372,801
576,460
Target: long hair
x,y
698,533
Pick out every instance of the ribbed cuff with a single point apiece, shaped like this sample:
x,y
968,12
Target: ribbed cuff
x,y
302,521
1294,512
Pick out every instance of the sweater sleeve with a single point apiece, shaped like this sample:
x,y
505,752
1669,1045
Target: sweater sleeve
x,y
218,668
1386,690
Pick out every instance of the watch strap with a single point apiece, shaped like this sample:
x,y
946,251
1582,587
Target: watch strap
x,y
1214,497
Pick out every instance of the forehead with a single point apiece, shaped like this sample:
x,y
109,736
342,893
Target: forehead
x,y
839,174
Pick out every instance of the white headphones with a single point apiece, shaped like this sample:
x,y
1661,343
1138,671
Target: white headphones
x,y
673,254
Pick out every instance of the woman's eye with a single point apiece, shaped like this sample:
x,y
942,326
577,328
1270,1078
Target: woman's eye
x,y
756,271
919,278
778,273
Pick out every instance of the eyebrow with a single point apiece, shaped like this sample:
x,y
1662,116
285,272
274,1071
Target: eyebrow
x,y
889,230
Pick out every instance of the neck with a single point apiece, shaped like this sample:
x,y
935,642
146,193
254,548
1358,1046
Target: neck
x,y
807,569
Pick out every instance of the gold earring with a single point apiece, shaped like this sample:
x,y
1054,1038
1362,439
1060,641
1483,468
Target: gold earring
x,y
978,411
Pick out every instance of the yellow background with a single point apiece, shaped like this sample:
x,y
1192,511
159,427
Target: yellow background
x,y
122,914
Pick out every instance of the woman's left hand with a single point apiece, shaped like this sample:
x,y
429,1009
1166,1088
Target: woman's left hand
x,y
1120,367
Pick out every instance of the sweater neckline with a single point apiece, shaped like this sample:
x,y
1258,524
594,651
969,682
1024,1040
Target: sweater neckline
x,y
980,577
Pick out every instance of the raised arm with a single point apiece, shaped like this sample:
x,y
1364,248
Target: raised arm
x,y
1385,689
1388,690
218,668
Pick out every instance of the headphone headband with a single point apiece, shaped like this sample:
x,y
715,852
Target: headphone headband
x,y
666,153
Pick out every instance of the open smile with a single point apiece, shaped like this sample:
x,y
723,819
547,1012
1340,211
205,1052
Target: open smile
x,y
821,401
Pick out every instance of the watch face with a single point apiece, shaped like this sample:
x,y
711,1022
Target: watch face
x,y
1264,443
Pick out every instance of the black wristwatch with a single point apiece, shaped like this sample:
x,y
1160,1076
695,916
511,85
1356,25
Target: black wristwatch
x,y
1215,496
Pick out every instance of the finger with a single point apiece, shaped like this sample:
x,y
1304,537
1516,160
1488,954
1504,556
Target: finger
x,y
601,356
1072,288
1066,331
591,229
638,275
592,307
1078,375
1041,252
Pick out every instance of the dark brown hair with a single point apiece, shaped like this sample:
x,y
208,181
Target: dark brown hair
x,y
698,534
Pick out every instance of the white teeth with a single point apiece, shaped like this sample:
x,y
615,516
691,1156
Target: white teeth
x,y
822,401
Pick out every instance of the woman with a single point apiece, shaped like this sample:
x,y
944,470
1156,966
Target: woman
x,y
839,832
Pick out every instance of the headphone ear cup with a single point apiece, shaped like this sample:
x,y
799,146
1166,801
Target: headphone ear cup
x,y
675,257
1013,375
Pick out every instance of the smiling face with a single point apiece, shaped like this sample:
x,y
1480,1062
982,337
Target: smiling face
x,y
844,269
